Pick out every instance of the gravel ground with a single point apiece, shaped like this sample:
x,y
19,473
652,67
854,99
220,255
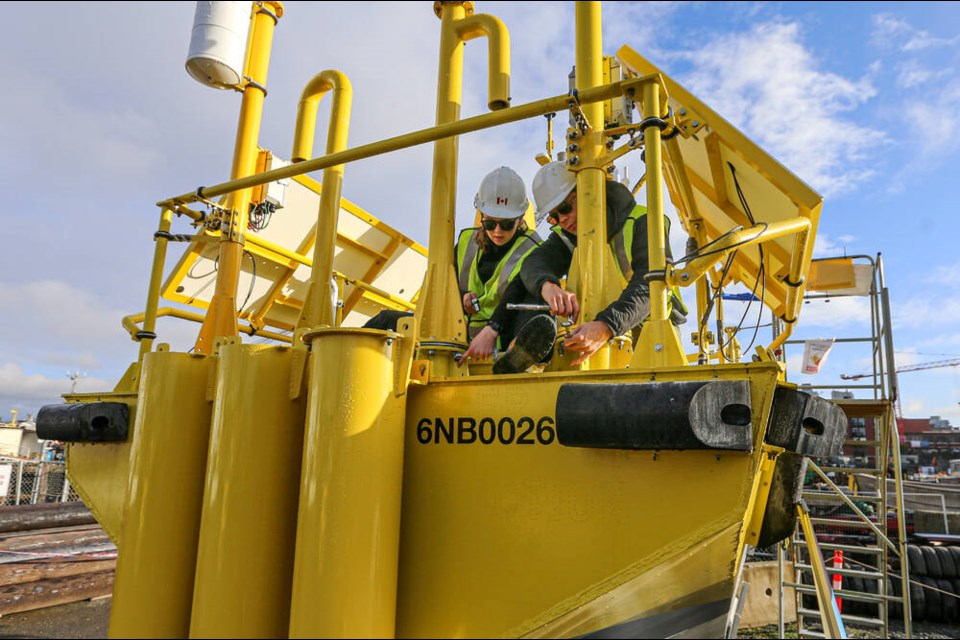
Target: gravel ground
x,y
90,619
926,630
83,619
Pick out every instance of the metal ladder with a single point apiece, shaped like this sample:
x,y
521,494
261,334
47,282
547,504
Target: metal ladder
x,y
855,511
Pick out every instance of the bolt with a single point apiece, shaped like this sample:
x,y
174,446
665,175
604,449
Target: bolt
x,y
573,161
573,148
658,347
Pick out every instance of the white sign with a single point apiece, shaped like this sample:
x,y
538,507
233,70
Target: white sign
x,y
6,471
815,353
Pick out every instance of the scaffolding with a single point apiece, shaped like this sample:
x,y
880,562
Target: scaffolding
x,y
859,527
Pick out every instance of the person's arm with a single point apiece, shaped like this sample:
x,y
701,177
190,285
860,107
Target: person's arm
x,y
547,263
633,305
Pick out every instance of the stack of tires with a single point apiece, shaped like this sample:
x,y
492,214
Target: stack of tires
x,y
934,584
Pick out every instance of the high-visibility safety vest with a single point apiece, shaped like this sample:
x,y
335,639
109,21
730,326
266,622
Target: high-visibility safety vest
x,y
489,292
621,245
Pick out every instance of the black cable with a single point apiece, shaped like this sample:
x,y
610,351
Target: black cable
x,y
253,279
761,272
700,253
713,300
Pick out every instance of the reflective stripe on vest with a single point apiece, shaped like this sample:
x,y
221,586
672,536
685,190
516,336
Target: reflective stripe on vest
x,y
489,292
620,242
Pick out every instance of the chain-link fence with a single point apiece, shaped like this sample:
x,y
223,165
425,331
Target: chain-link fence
x,y
34,481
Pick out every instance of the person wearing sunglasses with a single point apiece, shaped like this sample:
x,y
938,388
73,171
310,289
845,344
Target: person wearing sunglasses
x,y
488,259
555,193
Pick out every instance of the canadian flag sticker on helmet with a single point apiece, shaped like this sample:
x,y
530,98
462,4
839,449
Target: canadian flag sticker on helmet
x,y
502,194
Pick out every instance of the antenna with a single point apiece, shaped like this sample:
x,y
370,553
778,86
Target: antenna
x,y
73,379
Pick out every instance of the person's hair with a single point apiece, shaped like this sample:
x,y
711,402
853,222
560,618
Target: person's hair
x,y
483,240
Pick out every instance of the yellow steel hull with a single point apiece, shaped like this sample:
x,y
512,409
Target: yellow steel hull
x,y
506,532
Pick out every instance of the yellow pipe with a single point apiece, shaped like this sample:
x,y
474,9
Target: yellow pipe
x,y
829,615
423,136
153,582
348,525
659,343
248,528
153,290
319,308
498,55
440,319
130,323
591,179
221,318
655,227
728,243
723,246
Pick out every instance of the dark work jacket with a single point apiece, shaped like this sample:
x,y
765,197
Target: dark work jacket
x,y
551,261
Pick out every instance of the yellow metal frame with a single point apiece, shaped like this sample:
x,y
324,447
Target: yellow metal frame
x,y
487,526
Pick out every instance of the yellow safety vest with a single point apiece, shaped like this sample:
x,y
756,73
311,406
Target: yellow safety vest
x,y
621,245
489,292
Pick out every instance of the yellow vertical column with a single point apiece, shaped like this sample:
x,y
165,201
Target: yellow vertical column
x,y
440,319
659,344
348,526
221,317
153,584
592,251
248,527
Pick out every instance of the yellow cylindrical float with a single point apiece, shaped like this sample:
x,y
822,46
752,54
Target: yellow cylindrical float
x,y
153,584
247,531
348,528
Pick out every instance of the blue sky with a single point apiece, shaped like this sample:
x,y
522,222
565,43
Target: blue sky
x,y
101,121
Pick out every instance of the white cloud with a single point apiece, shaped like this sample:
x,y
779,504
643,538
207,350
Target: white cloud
x,y
27,392
893,32
767,83
926,312
825,247
945,274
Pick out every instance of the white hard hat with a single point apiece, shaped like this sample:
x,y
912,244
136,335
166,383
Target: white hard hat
x,y
551,185
502,194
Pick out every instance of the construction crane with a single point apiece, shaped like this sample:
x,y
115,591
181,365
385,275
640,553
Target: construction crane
x,y
913,367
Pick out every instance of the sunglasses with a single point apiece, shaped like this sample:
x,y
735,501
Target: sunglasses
x,y
561,209
507,224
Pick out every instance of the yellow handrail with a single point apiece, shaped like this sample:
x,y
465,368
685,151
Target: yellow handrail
x,y
130,323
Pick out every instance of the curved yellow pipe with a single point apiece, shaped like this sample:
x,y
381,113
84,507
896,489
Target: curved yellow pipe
x,y
498,54
319,308
131,323
800,226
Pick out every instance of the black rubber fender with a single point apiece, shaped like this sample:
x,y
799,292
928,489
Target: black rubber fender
x,y
713,414
84,422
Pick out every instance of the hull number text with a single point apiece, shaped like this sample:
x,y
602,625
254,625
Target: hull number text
x,y
465,430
